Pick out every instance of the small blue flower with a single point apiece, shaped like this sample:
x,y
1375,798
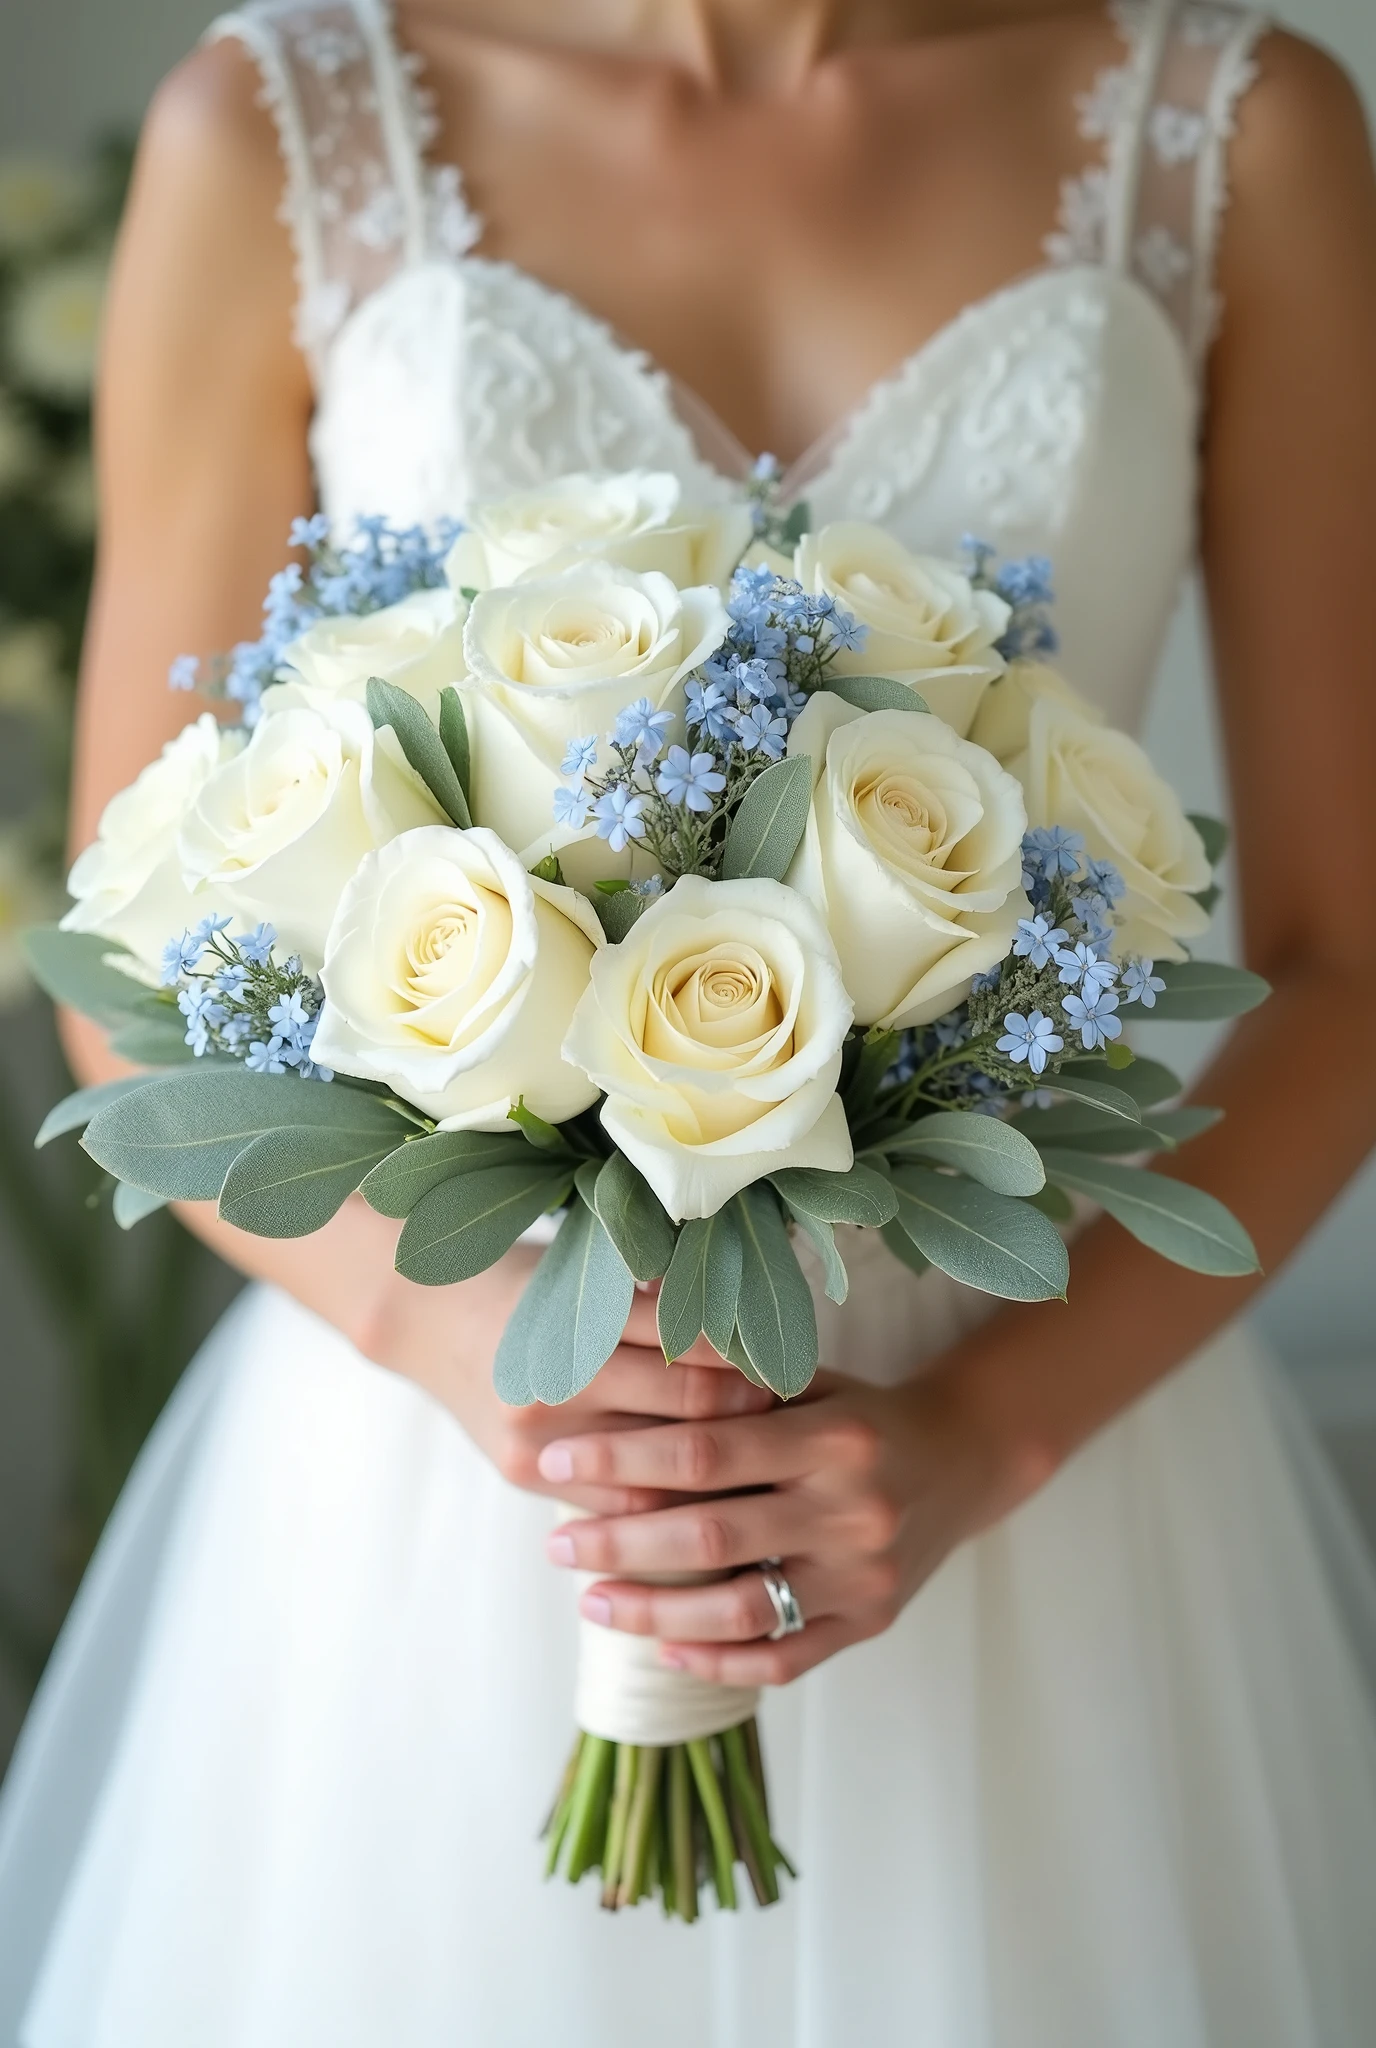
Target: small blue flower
x,y
1081,966
265,1059
580,756
767,470
1054,850
1103,878
642,727
1092,1016
257,947
762,731
710,707
179,957
236,1030
847,633
1141,985
184,673
309,533
619,817
1038,939
571,807
1026,582
1033,1039
691,779
208,927
984,983
230,980
758,679
1092,910
288,1014
652,886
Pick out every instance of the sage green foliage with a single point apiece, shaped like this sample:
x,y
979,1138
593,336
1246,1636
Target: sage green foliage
x,y
421,744
75,1111
569,1319
860,1196
633,1217
1180,1222
702,1285
464,1225
290,1182
1213,832
775,1315
822,1236
995,1154
454,736
1146,1081
875,693
988,1241
395,1186
131,1205
1112,1099
74,969
617,910
1199,991
763,835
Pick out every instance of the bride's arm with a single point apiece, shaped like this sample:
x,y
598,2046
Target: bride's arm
x,y
201,438
874,1487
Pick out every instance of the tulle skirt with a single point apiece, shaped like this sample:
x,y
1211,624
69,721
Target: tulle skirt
x,y
1110,1782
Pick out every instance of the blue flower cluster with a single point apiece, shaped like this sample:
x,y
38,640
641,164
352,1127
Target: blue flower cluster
x,y
382,565
241,1002
1026,588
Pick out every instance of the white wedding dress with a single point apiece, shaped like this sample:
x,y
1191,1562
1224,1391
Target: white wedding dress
x,y
1110,1781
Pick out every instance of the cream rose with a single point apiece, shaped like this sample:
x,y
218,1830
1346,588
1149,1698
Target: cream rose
x,y
280,828
1099,782
927,624
128,883
715,1028
1004,718
557,658
635,519
451,974
417,644
912,854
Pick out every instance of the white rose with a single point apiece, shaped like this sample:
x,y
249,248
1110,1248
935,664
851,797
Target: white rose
x,y
635,519
128,883
1096,781
417,644
451,974
715,1028
927,624
557,658
1004,717
280,828
912,854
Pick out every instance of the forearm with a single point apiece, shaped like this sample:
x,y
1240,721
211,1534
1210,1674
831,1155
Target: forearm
x,y
1046,1378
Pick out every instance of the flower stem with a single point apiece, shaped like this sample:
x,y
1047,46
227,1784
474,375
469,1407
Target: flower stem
x,y
682,1851
589,1804
640,1831
718,1822
627,1759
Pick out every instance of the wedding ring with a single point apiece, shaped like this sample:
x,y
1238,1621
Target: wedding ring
x,y
782,1598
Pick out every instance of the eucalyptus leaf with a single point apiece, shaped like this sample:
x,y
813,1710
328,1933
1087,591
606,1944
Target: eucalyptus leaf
x,y
822,1236
633,1218
763,836
1053,1202
988,1241
698,1297
860,1196
737,1355
995,1154
775,1313
1208,899
395,1186
1088,1130
155,1039
1181,1222
179,1134
545,1137
1146,1081
131,1205
866,1059
1214,833
1199,990
875,693
617,913
570,1318
1191,1120
421,744
289,1183
903,1248
466,1224
797,524
76,1110
1104,1095
73,968
454,736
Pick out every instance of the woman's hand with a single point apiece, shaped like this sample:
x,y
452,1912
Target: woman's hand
x,y
866,1491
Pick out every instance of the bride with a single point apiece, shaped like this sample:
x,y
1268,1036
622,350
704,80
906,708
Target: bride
x,y
1073,1750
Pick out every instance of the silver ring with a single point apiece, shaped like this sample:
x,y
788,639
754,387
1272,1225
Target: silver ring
x,y
782,1598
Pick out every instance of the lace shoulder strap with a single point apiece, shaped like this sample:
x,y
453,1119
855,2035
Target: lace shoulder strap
x,y
360,200
1164,117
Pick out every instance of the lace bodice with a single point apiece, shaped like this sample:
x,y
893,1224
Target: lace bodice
x,y
1057,415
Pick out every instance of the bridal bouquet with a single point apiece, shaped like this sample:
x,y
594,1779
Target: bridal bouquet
x,y
693,879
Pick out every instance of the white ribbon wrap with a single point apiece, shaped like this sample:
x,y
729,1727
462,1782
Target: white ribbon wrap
x,y
624,1693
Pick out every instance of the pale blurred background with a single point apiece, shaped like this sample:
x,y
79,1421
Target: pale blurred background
x,y
95,1325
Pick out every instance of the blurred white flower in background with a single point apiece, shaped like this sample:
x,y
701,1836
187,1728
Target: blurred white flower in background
x,y
54,327
27,896
18,447
39,199
32,683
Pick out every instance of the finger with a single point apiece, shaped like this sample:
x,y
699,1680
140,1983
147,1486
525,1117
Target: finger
x,y
707,1536
642,1327
735,1610
638,1382
766,1663
711,1456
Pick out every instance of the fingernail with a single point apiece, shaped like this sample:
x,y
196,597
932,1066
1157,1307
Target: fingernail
x,y
597,1607
672,1659
560,1549
556,1462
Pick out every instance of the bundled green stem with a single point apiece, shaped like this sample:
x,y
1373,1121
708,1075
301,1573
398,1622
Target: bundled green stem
x,y
668,1820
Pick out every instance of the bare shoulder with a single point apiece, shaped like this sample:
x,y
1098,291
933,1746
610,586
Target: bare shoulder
x,y
1301,161
209,145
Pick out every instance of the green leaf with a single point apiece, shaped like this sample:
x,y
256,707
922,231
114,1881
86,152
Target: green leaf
x,y
395,1186
76,1110
823,1236
1199,990
1191,1120
131,1205
156,1039
1088,1130
798,523
866,1060
1118,1057
1053,1202
1208,899
633,1218
454,735
763,836
180,1133
775,1315
549,870
1146,1081
466,1224
617,913
289,1183
570,1318
1182,1223
988,1241
903,1248
421,744
859,1196
612,885
875,693
1213,832
737,1355
1104,1095
544,1136
467,592
995,1154
698,1297
74,969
